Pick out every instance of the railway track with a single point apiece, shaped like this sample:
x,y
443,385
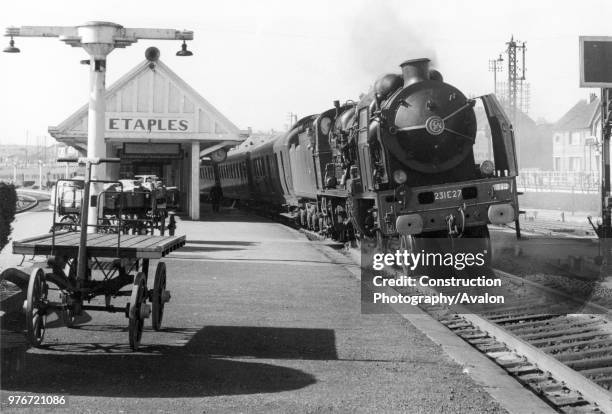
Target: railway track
x,y
565,358
25,203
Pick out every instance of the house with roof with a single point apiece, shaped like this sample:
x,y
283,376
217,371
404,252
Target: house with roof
x,y
575,143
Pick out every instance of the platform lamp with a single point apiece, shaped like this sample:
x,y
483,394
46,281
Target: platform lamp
x,y
11,47
184,51
98,39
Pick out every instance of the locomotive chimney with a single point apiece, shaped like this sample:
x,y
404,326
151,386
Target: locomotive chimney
x,y
415,70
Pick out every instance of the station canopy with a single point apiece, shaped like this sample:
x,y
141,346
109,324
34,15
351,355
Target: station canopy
x,y
152,104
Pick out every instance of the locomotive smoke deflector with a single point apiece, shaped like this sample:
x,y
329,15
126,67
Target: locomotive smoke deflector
x,y
415,70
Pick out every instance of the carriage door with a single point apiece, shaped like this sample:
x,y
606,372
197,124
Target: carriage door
x,y
365,160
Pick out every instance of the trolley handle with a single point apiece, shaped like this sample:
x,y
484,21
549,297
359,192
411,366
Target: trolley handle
x,y
85,160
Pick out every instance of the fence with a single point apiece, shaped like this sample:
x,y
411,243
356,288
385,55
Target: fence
x,y
30,175
562,181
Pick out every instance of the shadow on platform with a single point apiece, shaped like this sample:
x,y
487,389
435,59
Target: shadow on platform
x,y
208,249
197,369
223,242
231,214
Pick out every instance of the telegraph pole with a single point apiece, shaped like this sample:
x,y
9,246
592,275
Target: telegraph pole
x,y
26,148
292,119
515,75
98,39
495,65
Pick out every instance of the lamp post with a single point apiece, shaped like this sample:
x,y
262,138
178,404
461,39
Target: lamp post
x,y
98,39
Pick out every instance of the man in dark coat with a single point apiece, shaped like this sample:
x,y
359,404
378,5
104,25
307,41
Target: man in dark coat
x,y
216,194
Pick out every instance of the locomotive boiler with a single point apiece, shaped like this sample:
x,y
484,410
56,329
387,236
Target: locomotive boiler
x,y
397,164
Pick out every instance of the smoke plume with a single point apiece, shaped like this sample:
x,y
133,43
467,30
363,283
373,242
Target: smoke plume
x,y
381,39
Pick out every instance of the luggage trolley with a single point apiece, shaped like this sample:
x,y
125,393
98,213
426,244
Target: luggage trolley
x,y
74,254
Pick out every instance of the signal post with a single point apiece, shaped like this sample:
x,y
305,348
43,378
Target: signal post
x,y
595,72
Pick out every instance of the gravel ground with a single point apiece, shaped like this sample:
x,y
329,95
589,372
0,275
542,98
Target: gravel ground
x,y
537,262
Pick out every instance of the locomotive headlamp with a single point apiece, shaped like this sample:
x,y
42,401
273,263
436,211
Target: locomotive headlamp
x,y
487,167
400,176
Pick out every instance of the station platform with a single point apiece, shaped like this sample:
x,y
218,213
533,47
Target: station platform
x,y
261,320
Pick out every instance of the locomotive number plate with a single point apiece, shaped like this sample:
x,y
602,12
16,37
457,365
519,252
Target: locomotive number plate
x,y
447,195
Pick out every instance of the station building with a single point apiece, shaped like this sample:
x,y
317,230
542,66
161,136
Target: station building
x,y
156,124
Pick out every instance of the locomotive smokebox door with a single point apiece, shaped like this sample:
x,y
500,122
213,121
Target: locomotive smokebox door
x,y
434,126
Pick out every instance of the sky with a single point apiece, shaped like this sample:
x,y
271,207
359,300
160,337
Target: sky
x,y
256,61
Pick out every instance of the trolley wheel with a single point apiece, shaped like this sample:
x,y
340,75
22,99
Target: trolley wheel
x,y
137,312
159,297
35,307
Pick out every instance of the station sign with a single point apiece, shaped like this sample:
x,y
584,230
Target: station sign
x,y
123,123
595,61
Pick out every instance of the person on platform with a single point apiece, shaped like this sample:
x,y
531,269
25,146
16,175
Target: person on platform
x,y
216,194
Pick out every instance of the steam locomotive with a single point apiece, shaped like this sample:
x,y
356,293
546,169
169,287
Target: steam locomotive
x,y
399,163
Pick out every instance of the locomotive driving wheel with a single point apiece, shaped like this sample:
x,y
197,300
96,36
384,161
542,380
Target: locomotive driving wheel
x,y
36,307
159,296
138,310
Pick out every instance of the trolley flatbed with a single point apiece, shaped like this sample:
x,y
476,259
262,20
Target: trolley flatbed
x,y
73,266
100,245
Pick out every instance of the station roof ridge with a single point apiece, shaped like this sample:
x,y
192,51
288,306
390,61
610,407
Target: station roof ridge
x,y
68,131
